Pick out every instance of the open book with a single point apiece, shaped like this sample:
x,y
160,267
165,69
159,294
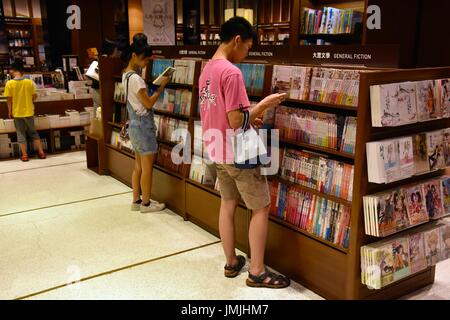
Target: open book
x,y
167,73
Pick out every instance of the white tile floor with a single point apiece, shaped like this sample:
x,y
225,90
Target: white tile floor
x,y
59,223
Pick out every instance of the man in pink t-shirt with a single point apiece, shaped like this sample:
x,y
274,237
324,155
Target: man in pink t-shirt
x,y
223,105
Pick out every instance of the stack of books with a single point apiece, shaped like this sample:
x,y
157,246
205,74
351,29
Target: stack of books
x,y
400,158
396,258
170,129
398,104
295,81
164,160
318,172
185,72
394,210
318,216
316,128
119,92
200,172
330,21
335,86
177,101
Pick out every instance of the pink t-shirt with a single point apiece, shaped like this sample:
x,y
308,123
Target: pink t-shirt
x,y
222,90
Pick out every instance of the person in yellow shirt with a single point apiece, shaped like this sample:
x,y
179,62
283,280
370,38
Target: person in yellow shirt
x,y
21,94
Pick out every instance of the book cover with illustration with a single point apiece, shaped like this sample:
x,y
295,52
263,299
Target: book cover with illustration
x,y
445,242
416,205
384,260
421,153
417,252
385,214
435,147
426,101
282,79
407,106
400,204
406,153
402,263
432,246
389,105
391,160
446,147
433,200
445,188
445,97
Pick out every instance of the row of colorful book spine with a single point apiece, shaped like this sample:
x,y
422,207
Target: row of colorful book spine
x,y
318,216
318,172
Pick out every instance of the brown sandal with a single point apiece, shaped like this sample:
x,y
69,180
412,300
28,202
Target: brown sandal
x,y
276,281
233,271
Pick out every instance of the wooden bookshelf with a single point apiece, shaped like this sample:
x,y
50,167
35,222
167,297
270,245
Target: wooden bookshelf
x,y
172,115
324,150
307,234
305,104
330,270
312,191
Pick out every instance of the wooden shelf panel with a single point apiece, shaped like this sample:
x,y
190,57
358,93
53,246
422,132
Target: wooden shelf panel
x,y
309,235
340,154
128,154
171,114
298,103
204,187
169,143
312,191
172,173
115,125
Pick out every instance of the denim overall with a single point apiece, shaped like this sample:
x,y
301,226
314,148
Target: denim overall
x,y
142,131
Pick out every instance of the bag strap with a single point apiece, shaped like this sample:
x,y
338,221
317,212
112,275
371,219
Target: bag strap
x,y
127,80
246,121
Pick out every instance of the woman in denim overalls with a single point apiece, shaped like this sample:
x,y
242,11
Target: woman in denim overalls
x,y
142,128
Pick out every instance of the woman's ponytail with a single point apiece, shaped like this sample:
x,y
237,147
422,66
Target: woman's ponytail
x,y
139,47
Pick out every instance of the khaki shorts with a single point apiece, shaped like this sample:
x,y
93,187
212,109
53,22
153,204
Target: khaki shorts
x,y
249,185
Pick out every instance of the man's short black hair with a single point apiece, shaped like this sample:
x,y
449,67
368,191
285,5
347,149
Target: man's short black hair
x,y
237,26
18,65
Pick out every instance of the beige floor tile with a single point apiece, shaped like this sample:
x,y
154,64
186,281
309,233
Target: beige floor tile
x,y
46,248
196,275
28,190
52,160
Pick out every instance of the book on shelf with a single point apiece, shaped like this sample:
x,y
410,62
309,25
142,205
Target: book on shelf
x,y
177,101
400,256
317,172
253,77
201,173
166,127
164,159
119,92
395,210
330,20
316,128
185,72
292,80
318,216
198,139
335,86
397,159
398,104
